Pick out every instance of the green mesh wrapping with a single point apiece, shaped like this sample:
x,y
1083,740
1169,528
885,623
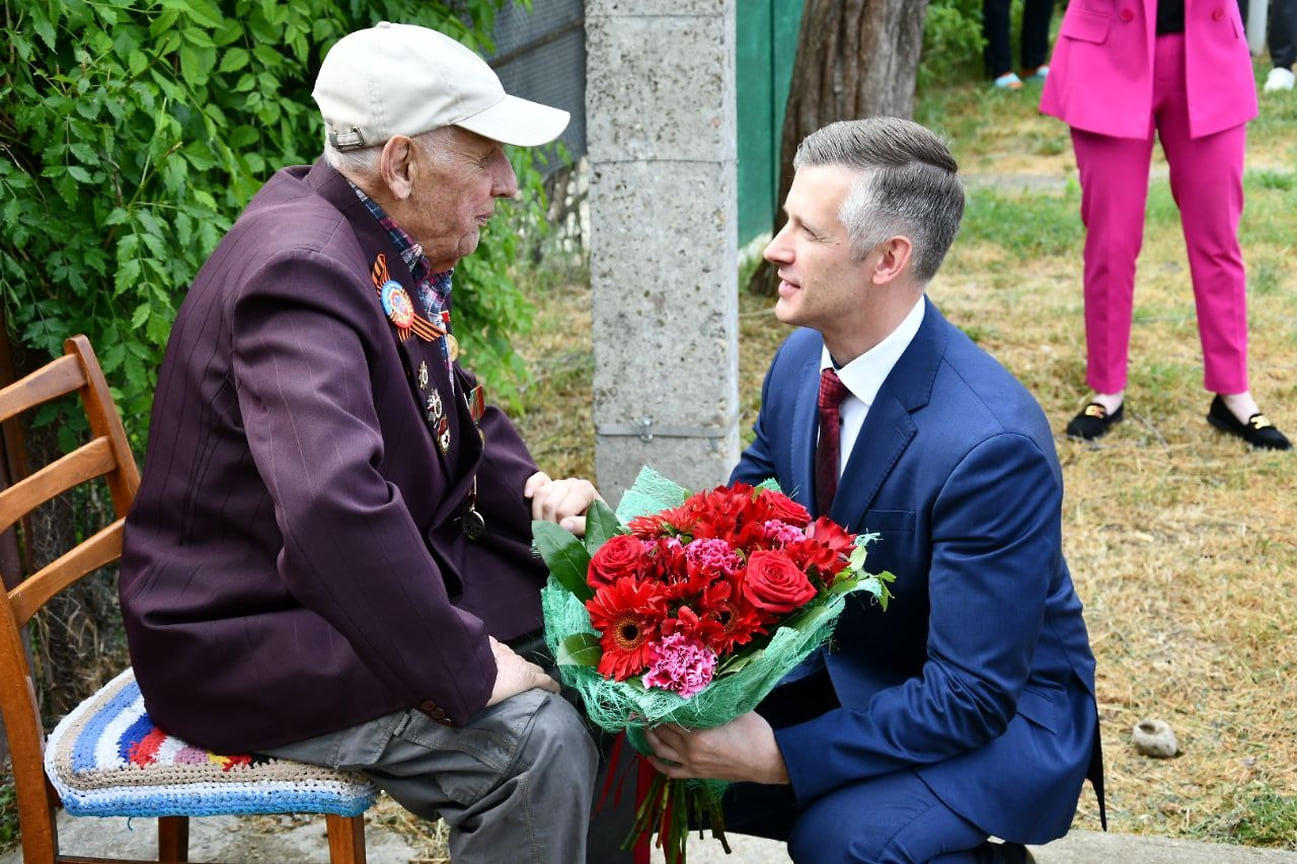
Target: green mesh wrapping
x,y
618,705
626,705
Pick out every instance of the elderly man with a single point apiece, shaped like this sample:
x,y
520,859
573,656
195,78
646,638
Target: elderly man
x,y
329,556
967,709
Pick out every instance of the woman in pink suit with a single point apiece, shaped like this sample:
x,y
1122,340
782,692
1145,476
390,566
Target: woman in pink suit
x,y
1123,70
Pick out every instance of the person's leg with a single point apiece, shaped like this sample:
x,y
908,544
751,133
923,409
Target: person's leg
x,y
1207,183
894,819
516,785
1036,17
995,29
1114,187
1282,41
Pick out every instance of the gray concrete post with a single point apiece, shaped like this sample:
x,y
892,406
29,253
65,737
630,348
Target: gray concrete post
x,y
660,116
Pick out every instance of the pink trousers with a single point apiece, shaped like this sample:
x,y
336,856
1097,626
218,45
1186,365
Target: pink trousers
x,y
1207,184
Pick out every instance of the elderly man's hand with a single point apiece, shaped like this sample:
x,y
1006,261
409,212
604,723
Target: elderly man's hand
x,y
742,749
514,675
562,501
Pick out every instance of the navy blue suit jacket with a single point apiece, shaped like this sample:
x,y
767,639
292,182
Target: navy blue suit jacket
x,y
979,675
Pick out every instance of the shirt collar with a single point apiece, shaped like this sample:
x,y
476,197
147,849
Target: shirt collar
x,y
865,375
433,288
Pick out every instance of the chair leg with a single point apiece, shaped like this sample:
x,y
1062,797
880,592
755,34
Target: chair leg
x,y
346,838
173,839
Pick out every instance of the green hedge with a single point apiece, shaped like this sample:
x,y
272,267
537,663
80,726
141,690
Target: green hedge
x,y
132,132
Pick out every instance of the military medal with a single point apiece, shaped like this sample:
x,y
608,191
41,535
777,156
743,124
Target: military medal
x,y
433,407
443,434
472,523
423,375
398,308
476,400
452,344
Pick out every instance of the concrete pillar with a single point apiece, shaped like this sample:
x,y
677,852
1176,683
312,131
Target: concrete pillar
x,y
1257,11
660,115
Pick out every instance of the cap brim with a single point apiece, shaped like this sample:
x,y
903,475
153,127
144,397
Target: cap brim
x,y
516,121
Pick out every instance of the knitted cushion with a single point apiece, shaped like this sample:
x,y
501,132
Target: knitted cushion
x,y
106,758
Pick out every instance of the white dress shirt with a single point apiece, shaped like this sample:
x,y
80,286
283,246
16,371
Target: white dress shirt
x,y
865,375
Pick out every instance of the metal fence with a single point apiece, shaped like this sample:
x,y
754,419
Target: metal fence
x,y
540,55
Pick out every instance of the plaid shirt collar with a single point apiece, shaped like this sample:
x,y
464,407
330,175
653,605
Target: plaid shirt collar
x,y
433,288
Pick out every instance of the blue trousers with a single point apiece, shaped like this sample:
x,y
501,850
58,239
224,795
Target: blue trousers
x,y
894,819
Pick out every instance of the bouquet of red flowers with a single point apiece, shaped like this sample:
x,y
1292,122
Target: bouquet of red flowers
x,y
689,610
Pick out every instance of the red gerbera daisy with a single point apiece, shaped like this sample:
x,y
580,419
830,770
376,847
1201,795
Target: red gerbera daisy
x,y
627,613
728,619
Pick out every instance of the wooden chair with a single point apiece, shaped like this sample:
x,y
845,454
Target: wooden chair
x,y
342,797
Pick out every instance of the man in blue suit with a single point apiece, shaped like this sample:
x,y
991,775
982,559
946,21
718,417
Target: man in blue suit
x,y
966,711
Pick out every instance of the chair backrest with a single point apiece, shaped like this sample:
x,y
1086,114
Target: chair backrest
x,y
106,455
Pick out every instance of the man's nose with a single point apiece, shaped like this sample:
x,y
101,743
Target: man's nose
x,y
504,182
777,250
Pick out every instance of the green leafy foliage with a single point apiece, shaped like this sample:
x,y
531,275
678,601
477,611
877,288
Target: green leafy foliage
x,y
132,133
952,41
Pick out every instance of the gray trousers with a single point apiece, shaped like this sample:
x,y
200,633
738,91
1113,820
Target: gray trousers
x,y
516,785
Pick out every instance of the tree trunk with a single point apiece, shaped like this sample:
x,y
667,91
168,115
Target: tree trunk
x,y
855,58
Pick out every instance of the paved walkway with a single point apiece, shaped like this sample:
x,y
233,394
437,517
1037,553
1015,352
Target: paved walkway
x,y
240,841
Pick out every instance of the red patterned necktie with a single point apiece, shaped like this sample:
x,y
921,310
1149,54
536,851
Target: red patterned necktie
x,y
832,392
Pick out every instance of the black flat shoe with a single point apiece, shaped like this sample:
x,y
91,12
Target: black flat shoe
x,y
1257,431
1003,853
1094,421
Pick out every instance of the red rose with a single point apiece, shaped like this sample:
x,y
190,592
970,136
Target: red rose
x,y
775,584
621,555
780,506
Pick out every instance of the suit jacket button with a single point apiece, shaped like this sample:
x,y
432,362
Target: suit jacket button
x,y
433,710
1217,14
1127,15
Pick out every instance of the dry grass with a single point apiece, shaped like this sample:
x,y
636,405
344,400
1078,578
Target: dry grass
x,y
1183,544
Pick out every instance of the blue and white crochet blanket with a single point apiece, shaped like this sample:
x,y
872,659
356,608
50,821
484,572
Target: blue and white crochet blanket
x,y
106,758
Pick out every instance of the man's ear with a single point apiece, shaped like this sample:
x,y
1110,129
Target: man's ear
x,y
394,166
893,260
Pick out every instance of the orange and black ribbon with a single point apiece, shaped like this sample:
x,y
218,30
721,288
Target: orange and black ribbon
x,y
399,308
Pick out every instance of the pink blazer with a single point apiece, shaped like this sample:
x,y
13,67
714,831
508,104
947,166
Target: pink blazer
x,y
1101,75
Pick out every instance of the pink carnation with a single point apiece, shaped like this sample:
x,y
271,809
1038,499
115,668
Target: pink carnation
x,y
683,665
713,556
782,533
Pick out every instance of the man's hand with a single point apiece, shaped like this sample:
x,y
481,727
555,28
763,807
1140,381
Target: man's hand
x,y
743,749
514,675
562,501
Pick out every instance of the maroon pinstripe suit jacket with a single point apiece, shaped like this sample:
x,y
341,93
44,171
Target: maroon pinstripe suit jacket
x,y
294,562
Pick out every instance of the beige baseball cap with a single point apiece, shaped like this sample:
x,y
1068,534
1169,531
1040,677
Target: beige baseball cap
x,y
400,79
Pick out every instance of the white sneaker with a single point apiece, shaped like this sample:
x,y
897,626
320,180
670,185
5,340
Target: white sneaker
x,y
1279,79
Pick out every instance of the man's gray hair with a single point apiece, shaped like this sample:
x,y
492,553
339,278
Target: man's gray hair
x,y
908,185
363,163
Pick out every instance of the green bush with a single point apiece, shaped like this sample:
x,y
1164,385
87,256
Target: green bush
x,y
952,42
132,132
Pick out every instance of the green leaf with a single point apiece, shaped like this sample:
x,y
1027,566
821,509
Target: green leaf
x,y
202,12
565,556
45,30
234,59
579,649
600,525
194,63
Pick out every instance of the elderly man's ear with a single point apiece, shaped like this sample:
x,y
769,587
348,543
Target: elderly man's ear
x,y
394,166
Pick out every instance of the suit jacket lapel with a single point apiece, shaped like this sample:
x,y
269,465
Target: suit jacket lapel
x,y
460,458
805,434
889,428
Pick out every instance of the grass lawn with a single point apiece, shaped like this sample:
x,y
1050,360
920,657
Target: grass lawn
x,y
1182,543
